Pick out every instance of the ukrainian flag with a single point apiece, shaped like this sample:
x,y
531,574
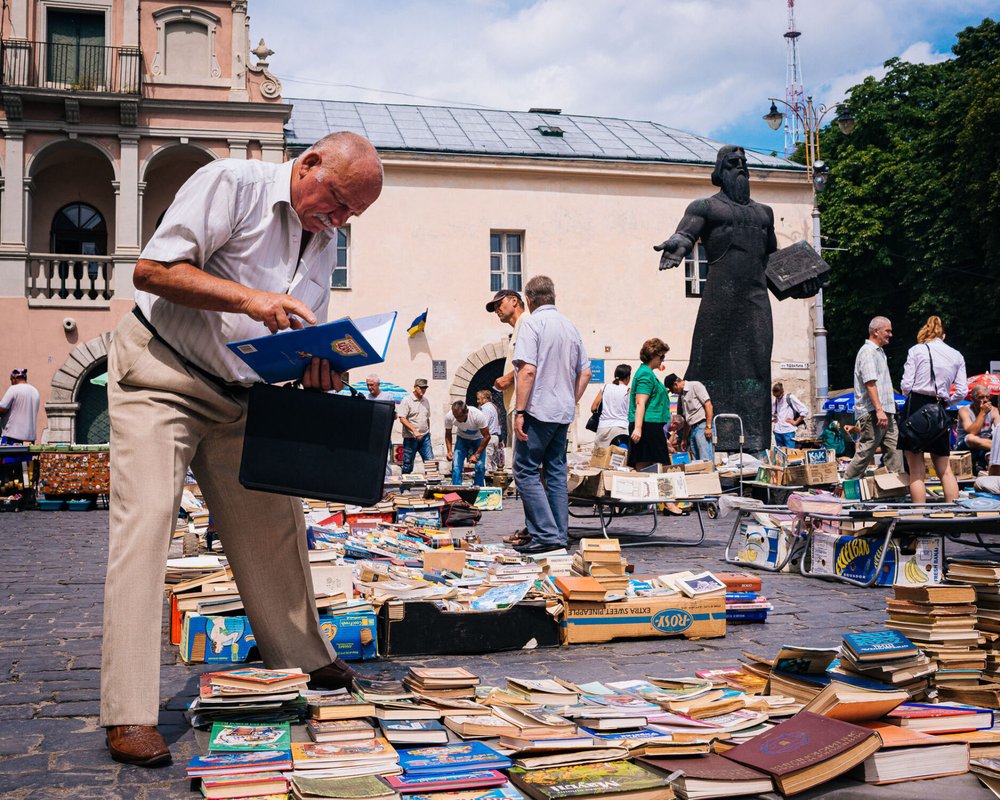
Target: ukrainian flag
x,y
418,324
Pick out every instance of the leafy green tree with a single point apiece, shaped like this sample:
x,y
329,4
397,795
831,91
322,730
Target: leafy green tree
x,y
914,204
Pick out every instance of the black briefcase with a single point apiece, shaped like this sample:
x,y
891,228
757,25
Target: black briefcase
x,y
318,445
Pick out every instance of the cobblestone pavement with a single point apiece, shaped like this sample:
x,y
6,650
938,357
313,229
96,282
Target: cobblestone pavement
x,y
50,637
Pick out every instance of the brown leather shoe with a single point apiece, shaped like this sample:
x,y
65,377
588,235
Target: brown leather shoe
x,y
141,745
337,675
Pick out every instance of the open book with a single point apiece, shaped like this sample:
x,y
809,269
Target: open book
x,y
346,343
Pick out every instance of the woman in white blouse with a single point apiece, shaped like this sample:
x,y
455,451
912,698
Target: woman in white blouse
x,y
948,366
614,414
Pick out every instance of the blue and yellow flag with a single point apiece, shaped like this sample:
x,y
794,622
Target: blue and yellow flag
x,y
418,324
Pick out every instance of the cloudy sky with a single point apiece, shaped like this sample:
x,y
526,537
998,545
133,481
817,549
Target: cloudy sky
x,y
706,66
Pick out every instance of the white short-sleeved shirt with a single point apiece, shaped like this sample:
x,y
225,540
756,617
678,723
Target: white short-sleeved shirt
x,y
551,343
234,219
21,401
471,428
614,408
492,417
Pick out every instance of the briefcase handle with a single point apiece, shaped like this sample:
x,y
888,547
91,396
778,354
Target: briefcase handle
x,y
298,385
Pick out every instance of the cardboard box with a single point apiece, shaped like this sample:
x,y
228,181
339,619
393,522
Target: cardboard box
x,y
961,464
676,615
761,544
810,474
772,475
702,484
885,484
609,457
585,482
697,467
224,640
911,564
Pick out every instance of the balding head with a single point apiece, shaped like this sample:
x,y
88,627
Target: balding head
x,y
337,178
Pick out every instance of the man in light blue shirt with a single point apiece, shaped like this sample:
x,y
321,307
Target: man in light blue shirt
x,y
551,372
875,403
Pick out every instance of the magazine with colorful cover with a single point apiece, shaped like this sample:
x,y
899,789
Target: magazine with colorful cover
x,y
580,780
239,762
230,736
406,784
346,343
310,754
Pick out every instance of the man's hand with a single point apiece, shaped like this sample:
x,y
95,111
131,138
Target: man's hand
x,y
519,428
319,376
451,455
671,253
276,311
708,432
790,420
881,419
473,458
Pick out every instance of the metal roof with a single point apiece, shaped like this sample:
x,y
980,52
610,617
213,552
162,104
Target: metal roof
x,y
443,129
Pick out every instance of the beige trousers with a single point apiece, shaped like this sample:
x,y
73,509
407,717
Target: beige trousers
x,y
164,418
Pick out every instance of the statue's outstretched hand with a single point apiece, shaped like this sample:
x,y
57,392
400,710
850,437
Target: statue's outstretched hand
x,y
672,252
808,288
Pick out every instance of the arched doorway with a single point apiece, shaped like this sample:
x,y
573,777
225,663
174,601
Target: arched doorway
x,y
484,378
93,425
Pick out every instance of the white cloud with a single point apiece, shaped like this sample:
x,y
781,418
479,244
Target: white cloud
x,y
699,65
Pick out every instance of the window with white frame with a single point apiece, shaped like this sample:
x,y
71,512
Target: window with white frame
x,y
506,249
695,271
341,278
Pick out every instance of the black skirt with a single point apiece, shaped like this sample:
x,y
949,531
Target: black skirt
x,y
651,448
940,446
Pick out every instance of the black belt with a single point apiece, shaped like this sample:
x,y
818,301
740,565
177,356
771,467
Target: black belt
x,y
204,373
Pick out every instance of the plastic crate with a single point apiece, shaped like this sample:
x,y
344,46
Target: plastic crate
x,y
51,505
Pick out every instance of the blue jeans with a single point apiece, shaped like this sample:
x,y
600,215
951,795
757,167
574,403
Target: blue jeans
x,y
411,447
784,439
546,508
701,449
463,449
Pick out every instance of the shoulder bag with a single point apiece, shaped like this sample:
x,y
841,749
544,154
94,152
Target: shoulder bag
x,y
929,422
595,418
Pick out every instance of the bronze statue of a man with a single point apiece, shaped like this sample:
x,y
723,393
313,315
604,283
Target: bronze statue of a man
x,y
731,344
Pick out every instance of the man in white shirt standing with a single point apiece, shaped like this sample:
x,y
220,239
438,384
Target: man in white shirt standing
x,y
552,374
875,403
787,413
473,435
245,248
19,409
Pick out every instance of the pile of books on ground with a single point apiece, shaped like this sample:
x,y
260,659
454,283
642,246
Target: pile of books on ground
x,y
440,733
248,695
940,619
889,657
744,601
602,560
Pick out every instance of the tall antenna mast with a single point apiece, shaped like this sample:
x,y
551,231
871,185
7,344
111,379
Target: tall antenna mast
x,y
794,91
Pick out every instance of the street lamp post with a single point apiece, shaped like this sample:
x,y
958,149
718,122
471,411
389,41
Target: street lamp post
x,y
811,117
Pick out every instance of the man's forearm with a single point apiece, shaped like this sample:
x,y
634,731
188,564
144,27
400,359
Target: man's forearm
x,y
485,433
582,379
186,285
504,382
871,389
709,414
525,382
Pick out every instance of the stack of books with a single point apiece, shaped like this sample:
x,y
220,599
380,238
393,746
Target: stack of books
x,y
249,695
602,560
744,601
437,683
368,787
888,656
984,576
345,759
941,620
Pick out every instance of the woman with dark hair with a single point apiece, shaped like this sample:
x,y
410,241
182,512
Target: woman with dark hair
x,y
614,412
931,369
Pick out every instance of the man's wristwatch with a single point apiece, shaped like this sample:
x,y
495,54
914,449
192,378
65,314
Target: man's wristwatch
x,y
520,412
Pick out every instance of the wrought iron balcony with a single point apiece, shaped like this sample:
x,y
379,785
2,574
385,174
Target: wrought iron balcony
x,y
54,280
72,67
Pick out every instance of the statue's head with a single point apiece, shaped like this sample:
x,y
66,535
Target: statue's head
x,y
731,173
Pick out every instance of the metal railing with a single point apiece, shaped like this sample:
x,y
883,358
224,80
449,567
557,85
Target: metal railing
x,y
71,67
56,280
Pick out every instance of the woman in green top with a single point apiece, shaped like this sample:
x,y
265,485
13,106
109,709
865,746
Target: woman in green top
x,y
648,409
649,412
